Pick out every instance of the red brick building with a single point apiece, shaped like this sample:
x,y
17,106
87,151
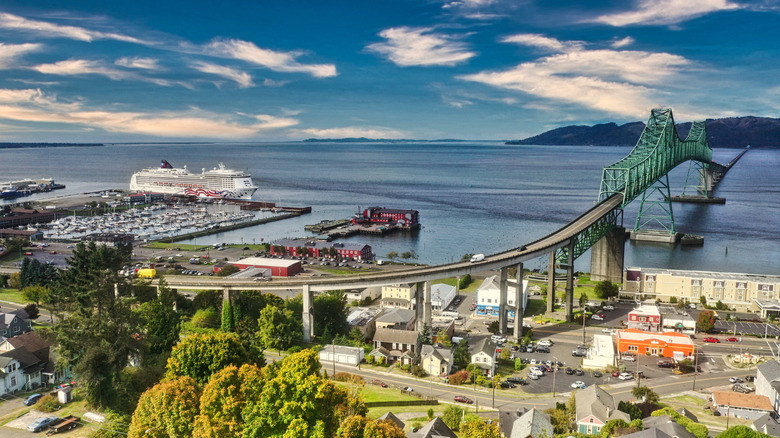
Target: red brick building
x,y
358,251
378,215
645,317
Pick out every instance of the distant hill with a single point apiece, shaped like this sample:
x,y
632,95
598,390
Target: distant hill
x,y
737,132
377,140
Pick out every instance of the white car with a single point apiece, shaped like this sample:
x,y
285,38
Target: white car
x,y
579,384
545,343
536,372
625,376
628,358
608,307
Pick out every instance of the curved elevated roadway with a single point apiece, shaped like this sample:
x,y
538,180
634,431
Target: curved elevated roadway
x,y
554,241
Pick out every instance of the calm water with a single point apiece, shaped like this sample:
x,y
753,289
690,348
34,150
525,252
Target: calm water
x,y
472,197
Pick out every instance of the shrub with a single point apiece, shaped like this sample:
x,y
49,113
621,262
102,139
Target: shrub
x,y
406,367
418,371
48,403
294,349
207,318
459,377
369,360
519,365
430,413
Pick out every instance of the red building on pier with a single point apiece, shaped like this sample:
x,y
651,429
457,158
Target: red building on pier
x,y
409,219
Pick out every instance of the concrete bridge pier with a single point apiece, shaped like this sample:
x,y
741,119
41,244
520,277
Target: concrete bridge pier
x,y
551,283
570,284
308,313
503,294
427,310
519,308
607,255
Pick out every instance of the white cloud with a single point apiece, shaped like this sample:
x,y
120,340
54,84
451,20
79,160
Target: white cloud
x,y
32,105
662,12
350,132
619,82
73,67
272,60
272,83
623,42
408,46
9,53
536,40
49,30
243,79
468,3
138,62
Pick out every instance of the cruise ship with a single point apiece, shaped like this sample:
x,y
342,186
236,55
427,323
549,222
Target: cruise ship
x,y
218,182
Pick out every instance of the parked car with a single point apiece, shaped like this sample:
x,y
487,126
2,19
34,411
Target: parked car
x,y
579,372
542,349
507,384
597,374
545,343
463,399
32,399
735,380
42,423
741,387
711,339
608,330
732,339
598,316
615,373
750,378
529,348
628,357
665,364
569,371
625,376
579,384
608,307
516,380
533,376
578,353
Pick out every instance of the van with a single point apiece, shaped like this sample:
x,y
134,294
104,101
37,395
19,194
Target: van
x,y
498,339
456,340
477,258
380,262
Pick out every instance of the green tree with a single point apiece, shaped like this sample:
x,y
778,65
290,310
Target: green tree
x,y
206,318
611,426
167,410
201,355
461,356
444,339
605,289
228,271
98,331
227,317
631,409
357,426
278,328
452,416
493,327
406,255
741,432
331,310
559,419
705,321
392,255
34,273
161,321
230,393
648,394
703,300
465,281
466,257
583,300
477,428
32,311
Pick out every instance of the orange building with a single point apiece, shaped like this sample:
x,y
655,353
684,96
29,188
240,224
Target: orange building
x,y
657,344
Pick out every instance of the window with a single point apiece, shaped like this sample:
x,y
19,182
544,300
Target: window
x,y
13,380
633,348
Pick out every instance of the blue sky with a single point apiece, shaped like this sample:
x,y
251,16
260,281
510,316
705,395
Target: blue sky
x,y
108,71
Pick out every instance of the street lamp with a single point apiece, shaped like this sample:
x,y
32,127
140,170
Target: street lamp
x,y
555,371
695,366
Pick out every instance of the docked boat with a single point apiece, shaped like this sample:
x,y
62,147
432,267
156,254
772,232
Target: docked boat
x,y
218,182
12,192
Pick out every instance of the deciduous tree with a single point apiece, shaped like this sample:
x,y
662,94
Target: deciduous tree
x,y
229,394
357,426
161,321
477,428
167,410
200,356
278,328
705,321
605,289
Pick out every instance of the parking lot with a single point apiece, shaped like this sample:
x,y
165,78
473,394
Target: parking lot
x,y
748,328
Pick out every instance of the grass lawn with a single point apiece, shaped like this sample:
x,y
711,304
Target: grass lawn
x,y
686,399
13,295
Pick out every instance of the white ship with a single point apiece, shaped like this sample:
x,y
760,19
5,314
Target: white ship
x,y
218,182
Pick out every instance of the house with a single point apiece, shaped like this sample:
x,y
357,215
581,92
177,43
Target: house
x,y
435,428
393,345
768,382
399,295
436,360
360,295
389,416
364,319
653,432
441,296
483,354
14,323
525,423
747,406
594,408
396,318
688,414
646,317
666,424
766,424
11,375
343,354
36,359
489,297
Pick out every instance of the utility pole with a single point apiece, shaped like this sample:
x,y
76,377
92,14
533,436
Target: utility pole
x,y
555,371
695,367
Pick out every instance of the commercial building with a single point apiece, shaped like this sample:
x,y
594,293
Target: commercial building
x,y
317,249
489,294
144,198
377,215
645,317
664,344
743,292
278,267
441,296
343,354
399,295
746,406
601,354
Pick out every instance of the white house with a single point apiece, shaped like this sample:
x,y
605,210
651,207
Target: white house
x,y
483,354
488,297
343,354
768,382
441,296
12,375
602,354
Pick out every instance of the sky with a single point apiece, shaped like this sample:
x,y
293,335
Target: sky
x,y
262,71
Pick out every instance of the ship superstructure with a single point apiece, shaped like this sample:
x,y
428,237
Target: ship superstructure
x,y
218,182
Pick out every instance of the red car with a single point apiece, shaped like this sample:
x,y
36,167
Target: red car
x,y
711,339
463,399
615,373
732,339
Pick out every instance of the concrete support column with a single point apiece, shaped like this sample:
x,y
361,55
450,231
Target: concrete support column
x,y
226,294
418,304
606,257
570,284
502,297
551,283
427,305
308,313
519,307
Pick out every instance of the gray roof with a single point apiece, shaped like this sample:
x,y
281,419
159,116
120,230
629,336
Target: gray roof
x,y
766,424
397,315
485,345
443,354
648,433
434,429
686,413
532,423
665,424
390,416
595,401
393,335
770,370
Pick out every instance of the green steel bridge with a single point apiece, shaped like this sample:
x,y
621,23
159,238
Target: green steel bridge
x,y
658,151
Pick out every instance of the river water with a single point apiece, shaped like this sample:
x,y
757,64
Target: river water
x,y
473,197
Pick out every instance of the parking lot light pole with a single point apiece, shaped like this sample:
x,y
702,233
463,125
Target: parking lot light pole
x,y
555,371
695,366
